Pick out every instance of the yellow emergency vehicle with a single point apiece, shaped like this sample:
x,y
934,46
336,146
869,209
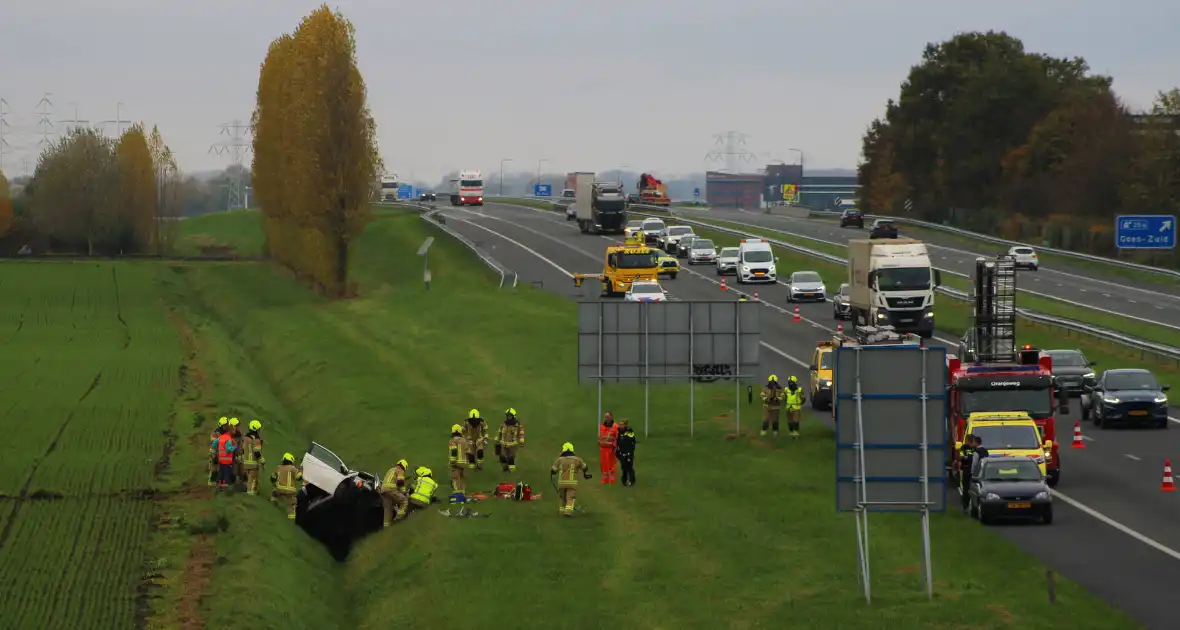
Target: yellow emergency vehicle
x,y
1012,433
669,266
623,265
822,359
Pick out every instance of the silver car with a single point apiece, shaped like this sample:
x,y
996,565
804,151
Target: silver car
x,y
1025,257
841,307
806,286
727,261
672,236
702,251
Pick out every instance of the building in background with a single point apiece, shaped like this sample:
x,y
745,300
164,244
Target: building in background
x,y
734,190
828,193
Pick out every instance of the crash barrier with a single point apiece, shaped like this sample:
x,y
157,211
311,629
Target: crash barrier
x,y
431,215
1114,262
1143,346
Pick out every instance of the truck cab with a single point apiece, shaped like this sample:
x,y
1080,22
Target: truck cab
x,y
467,190
624,265
892,284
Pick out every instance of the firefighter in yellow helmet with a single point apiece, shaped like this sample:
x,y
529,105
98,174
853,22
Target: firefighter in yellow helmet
x,y
795,400
393,491
508,439
564,473
286,479
476,432
252,457
214,468
459,448
772,402
236,434
425,487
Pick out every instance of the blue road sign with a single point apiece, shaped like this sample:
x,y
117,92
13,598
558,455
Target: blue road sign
x,y
696,192
542,190
1145,231
405,191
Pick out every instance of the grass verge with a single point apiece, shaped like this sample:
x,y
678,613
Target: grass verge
x,y
384,376
1048,306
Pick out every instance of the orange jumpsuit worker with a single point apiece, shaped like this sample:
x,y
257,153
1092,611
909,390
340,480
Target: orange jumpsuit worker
x,y
214,469
608,437
566,470
508,439
459,447
225,459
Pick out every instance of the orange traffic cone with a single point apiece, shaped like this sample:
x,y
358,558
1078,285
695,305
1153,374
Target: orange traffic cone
x,y
755,296
1078,442
796,318
1168,485
723,287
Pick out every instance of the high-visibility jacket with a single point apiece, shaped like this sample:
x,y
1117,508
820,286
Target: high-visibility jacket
x,y
286,478
225,449
608,436
510,434
772,397
251,450
794,398
567,468
458,451
476,434
395,479
424,488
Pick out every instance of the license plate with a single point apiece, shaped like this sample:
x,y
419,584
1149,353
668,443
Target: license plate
x,y
759,273
1138,413
906,321
808,295
1019,506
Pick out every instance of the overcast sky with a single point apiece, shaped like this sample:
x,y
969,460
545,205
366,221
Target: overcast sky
x,y
596,85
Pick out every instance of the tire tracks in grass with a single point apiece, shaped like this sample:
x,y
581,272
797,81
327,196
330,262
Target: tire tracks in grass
x,y
119,310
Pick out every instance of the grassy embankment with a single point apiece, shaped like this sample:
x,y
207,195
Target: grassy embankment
x,y
1049,259
1151,332
702,542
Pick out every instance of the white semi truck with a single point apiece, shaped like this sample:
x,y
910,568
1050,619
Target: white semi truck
x,y
468,189
389,186
892,283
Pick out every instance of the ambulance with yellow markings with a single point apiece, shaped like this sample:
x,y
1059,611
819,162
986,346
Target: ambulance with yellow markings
x,y
1009,433
623,265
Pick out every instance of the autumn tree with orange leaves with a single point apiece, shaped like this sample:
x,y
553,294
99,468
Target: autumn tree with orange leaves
x,y
315,150
7,219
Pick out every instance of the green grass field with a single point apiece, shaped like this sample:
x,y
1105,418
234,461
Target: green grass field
x,y
702,542
1048,306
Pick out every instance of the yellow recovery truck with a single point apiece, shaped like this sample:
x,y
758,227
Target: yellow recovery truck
x,y
624,264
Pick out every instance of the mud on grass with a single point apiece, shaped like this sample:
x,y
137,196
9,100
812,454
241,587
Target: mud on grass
x,y
384,376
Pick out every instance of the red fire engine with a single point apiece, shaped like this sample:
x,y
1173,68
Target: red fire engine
x,y
991,375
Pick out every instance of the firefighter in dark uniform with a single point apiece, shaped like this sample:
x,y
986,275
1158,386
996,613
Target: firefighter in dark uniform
x,y
625,451
965,455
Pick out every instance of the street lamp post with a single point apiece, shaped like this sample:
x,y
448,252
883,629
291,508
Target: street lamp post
x,y
502,174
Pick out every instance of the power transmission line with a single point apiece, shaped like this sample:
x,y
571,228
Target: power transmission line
x,y
236,144
119,122
45,122
5,148
76,122
728,149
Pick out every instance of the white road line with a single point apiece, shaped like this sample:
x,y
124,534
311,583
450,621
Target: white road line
x,y
1158,546
518,244
1130,456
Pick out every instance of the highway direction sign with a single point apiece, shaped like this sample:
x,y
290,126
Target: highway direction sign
x,y
542,190
696,192
405,191
1145,231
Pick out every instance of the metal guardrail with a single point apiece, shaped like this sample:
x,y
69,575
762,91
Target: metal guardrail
x,y
430,215
1143,345
1114,262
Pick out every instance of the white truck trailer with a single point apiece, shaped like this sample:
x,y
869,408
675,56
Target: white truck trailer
x,y
892,284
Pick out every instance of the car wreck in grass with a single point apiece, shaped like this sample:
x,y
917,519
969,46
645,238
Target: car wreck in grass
x,y
337,505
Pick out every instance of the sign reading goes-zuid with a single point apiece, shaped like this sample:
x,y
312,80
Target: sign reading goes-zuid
x,y
626,342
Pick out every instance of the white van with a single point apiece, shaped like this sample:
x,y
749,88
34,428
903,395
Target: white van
x,y
756,261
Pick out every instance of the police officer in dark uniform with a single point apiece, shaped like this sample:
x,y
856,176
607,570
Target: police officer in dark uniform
x,y
625,451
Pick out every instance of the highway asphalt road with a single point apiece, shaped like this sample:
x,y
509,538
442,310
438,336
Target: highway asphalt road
x,y
1109,292
1114,530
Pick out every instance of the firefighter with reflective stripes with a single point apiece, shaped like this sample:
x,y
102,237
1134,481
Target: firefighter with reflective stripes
x,y
236,434
252,457
608,437
214,469
476,432
508,439
459,448
795,400
424,490
564,473
393,491
286,479
772,403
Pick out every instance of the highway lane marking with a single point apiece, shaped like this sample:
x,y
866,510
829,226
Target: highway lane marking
x,y
1130,456
1158,546
517,243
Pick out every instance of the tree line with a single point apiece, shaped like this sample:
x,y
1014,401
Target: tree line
x,y
95,195
315,150
987,136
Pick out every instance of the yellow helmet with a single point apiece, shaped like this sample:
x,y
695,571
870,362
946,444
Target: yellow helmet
x,y
772,379
425,472
474,413
223,421
255,425
287,457
418,471
510,412
792,380
456,428
233,422
403,463
567,447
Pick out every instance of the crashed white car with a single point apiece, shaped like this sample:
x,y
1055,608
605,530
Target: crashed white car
x,y
337,505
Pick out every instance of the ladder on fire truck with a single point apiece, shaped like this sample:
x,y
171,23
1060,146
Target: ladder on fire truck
x,y
994,329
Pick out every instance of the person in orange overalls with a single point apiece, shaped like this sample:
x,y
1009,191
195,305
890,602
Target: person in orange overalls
x,y
608,437
225,459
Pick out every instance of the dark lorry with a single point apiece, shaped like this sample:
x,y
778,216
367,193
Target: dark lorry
x,y
608,208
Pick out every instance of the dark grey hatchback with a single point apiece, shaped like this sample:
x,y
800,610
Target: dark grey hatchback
x,y
1072,370
1011,487
1126,396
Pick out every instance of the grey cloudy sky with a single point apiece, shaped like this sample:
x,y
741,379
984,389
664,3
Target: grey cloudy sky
x,y
589,85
